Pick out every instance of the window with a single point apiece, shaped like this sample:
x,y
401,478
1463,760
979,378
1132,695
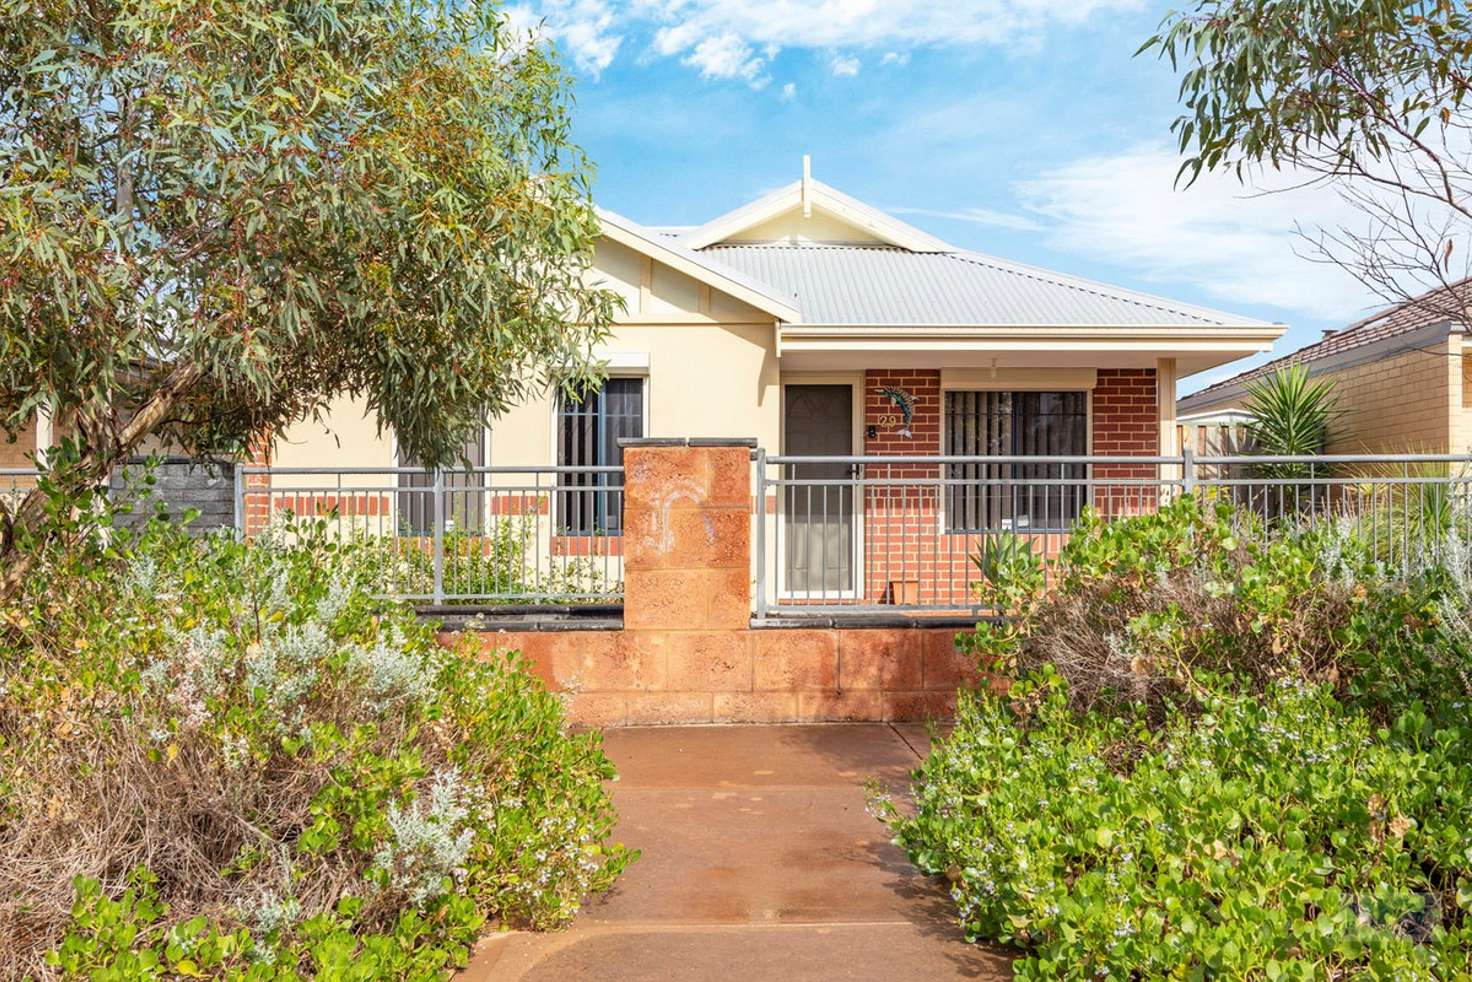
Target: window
x,y
993,497
588,431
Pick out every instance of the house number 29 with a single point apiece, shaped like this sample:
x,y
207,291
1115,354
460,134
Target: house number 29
x,y
889,419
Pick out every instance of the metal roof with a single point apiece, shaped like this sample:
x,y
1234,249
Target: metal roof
x,y
859,285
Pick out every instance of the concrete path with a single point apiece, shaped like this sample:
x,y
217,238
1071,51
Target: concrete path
x,y
759,862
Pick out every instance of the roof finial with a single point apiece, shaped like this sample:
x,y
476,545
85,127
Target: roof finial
x,y
807,182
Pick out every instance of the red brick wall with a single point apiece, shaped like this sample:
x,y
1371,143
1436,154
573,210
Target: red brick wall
x,y
258,505
900,521
908,556
924,386
616,678
1126,412
1126,422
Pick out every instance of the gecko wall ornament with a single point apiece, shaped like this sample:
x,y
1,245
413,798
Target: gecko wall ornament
x,y
905,403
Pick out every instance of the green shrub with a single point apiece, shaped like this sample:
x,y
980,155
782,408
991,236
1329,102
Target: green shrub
x,y
1229,752
227,760
1139,607
1409,641
1271,835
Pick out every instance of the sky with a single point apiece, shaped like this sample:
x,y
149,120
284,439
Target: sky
x,y
1026,129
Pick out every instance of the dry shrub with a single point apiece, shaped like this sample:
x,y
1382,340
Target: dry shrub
x,y
1142,608
240,734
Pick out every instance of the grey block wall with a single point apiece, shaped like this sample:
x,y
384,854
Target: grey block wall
x,y
179,484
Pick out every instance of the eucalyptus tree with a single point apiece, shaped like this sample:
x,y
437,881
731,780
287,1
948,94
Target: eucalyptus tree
x,y
217,215
1367,97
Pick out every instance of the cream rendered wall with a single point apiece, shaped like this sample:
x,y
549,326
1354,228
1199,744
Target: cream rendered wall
x,y
21,453
712,363
712,373
791,226
346,437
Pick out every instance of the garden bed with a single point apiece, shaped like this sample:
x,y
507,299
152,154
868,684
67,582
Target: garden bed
x,y
222,758
1230,752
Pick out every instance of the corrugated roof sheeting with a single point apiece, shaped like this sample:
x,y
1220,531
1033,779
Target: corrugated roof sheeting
x,y
861,285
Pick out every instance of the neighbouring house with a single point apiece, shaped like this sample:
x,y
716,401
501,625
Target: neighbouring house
x,y
1401,377
817,325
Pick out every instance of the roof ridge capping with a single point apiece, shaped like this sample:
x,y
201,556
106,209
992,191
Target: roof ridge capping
x,y
1139,297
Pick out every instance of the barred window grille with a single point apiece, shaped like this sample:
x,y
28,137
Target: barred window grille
x,y
588,431
986,498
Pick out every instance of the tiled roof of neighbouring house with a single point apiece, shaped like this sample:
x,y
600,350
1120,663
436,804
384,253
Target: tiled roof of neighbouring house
x,y
860,284
1432,307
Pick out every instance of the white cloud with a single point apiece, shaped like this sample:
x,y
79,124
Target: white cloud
x,y
727,56
594,29
895,25
789,92
977,216
1218,235
844,65
583,28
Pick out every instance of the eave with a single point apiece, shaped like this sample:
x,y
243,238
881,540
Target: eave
x,y
1196,348
697,267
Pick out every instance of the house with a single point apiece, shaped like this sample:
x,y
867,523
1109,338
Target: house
x,y
784,319
817,324
1401,377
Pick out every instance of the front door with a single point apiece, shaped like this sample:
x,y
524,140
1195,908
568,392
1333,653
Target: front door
x,y
818,518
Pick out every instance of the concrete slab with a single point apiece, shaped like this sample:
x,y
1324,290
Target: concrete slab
x,y
759,862
758,855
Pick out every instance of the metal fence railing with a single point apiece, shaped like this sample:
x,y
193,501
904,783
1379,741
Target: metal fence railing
x,y
16,483
831,534
840,534
503,535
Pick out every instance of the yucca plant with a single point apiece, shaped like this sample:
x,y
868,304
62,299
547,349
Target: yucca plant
x,y
1406,513
1290,413
1290,416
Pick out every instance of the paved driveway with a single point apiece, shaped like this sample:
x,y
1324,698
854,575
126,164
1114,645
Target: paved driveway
x,y
759,862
